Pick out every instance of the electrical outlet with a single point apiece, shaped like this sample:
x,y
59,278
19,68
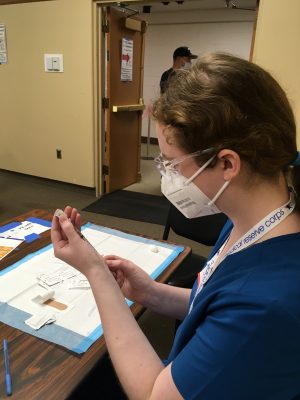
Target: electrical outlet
x,y
58,154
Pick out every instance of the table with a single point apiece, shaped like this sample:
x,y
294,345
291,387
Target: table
x,y
40,369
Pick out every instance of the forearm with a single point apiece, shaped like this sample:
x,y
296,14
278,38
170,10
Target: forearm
x,y
136,363
168,300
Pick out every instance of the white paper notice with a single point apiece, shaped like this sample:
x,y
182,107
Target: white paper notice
x,y
127,58
3,51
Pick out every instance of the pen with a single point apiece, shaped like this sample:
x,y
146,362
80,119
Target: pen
x,y
9,237
80,233
7,370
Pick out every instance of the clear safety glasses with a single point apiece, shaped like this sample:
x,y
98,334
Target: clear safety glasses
x,y
167,167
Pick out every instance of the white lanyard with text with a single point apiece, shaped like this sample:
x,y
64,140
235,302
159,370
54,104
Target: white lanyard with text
x,y
253,235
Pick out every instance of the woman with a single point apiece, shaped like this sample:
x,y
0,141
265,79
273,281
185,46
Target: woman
x,y
228,140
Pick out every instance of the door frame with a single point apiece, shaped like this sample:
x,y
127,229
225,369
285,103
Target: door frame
x,y
99,88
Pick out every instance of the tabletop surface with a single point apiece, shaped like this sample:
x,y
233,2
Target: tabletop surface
x,y
44,370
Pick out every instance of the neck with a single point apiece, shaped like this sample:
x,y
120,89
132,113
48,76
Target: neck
x,y
176,64
254,203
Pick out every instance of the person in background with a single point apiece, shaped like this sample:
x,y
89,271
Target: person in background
x,y
227,137
182,58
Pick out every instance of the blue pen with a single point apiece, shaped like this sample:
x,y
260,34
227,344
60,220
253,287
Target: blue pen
x,y
7,370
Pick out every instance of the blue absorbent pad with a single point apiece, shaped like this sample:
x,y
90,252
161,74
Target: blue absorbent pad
x,y
55,333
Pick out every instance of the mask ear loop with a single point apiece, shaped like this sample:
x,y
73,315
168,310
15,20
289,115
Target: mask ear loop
x,y
211,202
218,194
200,170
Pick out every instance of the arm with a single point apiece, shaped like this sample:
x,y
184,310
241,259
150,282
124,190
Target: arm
x,y
170,301
140,288
138,367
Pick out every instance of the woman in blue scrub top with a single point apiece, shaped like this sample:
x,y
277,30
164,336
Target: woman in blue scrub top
x,y
227,137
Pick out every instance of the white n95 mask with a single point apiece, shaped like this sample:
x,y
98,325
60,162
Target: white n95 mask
x,y
187,197
187,65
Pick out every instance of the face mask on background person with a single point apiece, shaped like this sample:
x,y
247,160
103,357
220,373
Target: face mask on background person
x,y
187,65
186,196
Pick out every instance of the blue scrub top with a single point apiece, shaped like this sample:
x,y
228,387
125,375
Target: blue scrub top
x,y
242,339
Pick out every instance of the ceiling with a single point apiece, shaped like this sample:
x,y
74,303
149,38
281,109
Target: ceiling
x,y
173,5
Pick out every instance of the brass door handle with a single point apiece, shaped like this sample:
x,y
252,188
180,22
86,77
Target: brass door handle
x,y
129,107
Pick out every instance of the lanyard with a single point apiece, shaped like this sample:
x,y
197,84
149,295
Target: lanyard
x,y
252,236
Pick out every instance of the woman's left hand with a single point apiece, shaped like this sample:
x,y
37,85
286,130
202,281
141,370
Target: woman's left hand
x,y
134,282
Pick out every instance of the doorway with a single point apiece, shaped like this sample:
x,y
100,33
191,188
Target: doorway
x,y
122,44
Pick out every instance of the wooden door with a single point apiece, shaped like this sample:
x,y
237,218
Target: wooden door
x,y
123,102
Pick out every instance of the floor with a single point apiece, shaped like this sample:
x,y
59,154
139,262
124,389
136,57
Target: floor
x,y
150,182
22,193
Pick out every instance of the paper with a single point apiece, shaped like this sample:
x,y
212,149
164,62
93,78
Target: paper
x,y
3,49
127,58
39,320
8,245
44,296
79,283
58,275
24,229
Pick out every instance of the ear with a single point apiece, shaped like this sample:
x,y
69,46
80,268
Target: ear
x,y
230,162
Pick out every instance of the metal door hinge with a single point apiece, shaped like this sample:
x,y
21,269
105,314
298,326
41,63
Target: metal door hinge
x,y
105,170
105,26
144,26
105,102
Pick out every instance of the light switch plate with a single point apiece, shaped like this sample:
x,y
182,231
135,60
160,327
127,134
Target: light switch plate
x,y
54,63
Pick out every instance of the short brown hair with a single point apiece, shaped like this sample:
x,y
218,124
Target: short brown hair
x,y
226,102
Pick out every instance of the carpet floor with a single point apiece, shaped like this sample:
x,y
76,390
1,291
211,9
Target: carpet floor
x,y
132,205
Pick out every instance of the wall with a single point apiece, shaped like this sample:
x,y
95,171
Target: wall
x,y
277,46
202,30
41,112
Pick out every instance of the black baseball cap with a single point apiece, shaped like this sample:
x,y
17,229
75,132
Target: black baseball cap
x,y
183,51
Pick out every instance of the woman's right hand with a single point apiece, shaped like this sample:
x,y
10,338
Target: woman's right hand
x,y
135,283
